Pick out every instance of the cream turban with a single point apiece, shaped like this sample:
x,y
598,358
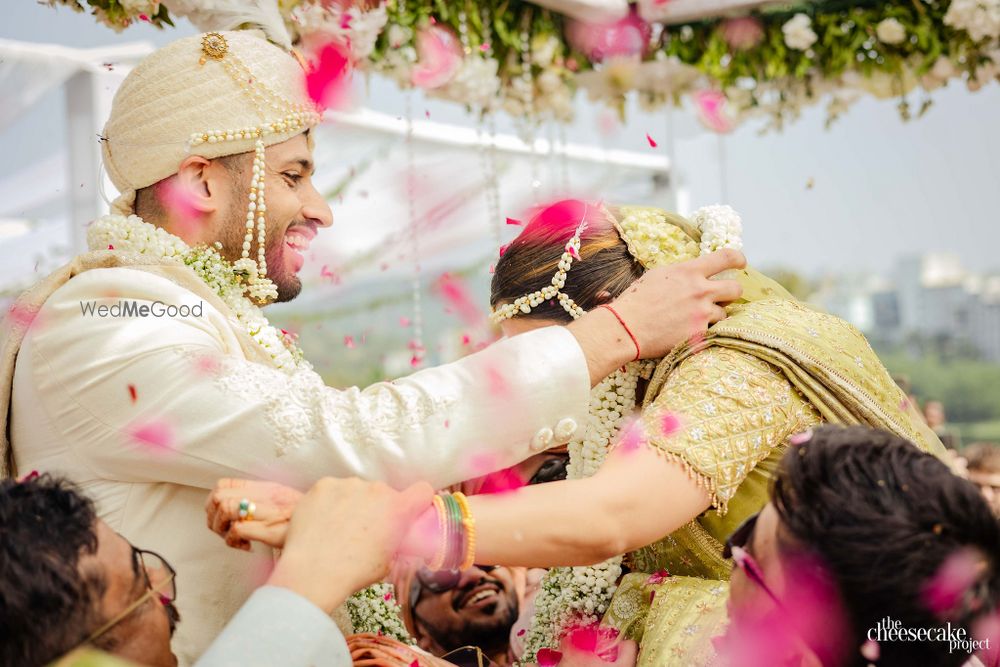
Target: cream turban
x,y
210,95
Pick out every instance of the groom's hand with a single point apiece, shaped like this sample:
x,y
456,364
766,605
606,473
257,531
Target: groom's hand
x,y
344,535
662,309
673,304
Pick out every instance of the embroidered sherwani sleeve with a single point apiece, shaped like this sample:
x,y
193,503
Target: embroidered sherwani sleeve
x,y
733,410
210,412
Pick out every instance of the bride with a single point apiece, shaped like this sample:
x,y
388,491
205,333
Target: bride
x,y
677,452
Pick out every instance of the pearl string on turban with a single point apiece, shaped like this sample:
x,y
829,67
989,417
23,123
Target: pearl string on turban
x,y
216,94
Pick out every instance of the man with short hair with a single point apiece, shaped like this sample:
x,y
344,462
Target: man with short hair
x,y
145,370
863,531
67,580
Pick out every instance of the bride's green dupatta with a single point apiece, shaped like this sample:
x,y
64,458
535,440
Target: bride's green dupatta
x,y
832,365
829,361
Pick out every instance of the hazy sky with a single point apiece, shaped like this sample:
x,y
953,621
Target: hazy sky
x,y
881,188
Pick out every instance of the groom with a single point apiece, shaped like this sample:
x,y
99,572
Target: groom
x,y
147,405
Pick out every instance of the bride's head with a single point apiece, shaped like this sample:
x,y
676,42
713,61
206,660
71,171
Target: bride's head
x,y
603,270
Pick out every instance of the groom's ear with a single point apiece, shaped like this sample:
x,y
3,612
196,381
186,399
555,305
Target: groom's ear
x,y
197,185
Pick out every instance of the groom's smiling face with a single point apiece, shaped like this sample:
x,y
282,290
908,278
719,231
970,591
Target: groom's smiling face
x,y
207,202
295,212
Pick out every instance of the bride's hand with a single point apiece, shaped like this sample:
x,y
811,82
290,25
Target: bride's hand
x,y
273,507
672,304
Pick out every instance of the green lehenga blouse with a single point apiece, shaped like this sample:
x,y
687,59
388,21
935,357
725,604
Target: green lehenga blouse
x,y
772,369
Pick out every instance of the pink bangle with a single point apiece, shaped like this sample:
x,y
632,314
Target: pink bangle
x,y
638,353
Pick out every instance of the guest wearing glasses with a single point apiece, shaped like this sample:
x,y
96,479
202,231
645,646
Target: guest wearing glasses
x,y
68,581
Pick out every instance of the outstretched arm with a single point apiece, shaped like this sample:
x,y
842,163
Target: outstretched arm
x,y
637,497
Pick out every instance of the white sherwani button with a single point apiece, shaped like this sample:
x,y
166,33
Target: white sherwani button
x,y
542,439
565,429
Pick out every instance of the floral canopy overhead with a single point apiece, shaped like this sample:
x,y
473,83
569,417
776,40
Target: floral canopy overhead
x,y
741,60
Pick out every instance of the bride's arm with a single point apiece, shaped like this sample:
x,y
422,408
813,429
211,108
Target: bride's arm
x,y
636,498
733,410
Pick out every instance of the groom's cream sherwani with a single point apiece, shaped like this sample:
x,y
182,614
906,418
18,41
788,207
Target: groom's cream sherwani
x,y
84,386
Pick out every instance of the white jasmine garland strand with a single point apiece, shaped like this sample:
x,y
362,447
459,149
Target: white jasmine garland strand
x,y
373,609
133,234
581,595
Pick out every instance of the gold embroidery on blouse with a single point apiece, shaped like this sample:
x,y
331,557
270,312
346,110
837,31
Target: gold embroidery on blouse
x,y
734,409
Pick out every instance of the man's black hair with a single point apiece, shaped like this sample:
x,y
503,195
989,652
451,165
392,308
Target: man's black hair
x,y
47,604
883,517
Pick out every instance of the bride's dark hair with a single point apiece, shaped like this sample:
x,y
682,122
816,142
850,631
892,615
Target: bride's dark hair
x,y
605,268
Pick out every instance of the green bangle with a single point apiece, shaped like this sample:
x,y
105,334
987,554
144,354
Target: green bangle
x,y
456,541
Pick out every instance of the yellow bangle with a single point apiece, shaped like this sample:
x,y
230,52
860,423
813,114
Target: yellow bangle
x,y
437,562
470,530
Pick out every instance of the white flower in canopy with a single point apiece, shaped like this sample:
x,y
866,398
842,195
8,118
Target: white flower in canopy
x,y
979,18
798,32
890,31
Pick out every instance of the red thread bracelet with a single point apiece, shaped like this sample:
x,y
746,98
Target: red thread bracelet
x,y
618,317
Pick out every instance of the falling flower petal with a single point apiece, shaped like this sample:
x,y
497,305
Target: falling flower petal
x,y
514,221
670,423
497,382
951,581
652,142
404,321
458,297
110,247
439,55
632,436
23,316
502,481
713,110
328,78
179,202
155,436
871,650
349,342
466,339
548,657
332,276
658,577
132,392
520,633
800,438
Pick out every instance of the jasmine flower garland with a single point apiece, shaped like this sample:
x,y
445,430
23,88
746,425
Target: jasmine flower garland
x,y
373,609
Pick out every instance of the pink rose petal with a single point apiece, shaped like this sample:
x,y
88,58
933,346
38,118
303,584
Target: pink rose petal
x,y
132,392
439,55
670,423
349,342
155,436
951,581
658,577
711,106
548,657
652,142
870,650
514,221
801,438
180,203
328,78
458,297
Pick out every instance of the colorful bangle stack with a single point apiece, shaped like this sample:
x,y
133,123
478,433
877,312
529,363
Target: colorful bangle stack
x,y
458,533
